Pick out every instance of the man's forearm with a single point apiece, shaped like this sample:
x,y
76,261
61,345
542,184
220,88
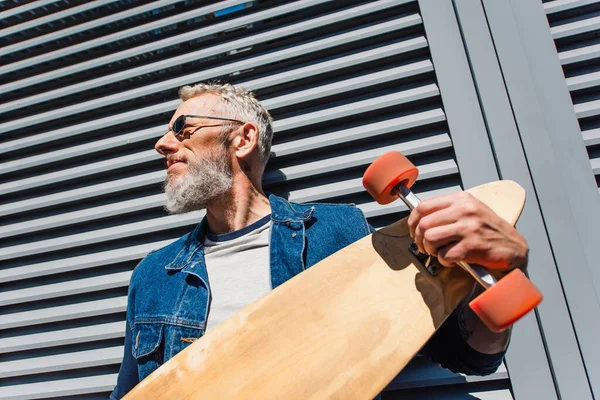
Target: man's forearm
x,y
474,331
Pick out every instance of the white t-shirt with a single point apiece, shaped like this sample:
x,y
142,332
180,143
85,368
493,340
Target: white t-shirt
x,y
238,269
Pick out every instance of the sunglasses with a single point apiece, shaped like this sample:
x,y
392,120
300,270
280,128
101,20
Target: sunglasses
x,y
180,123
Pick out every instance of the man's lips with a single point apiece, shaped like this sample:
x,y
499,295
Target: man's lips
x,y
174,164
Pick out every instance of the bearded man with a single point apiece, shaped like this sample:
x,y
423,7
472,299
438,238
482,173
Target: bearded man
x,y
216,148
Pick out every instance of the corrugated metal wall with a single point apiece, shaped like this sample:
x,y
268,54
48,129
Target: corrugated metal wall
x,y
88,87
575,26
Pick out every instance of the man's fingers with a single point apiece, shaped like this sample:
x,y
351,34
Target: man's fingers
x,y
452,253
425,208
436,238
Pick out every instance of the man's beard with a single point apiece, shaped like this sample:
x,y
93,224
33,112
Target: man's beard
x,y
206,179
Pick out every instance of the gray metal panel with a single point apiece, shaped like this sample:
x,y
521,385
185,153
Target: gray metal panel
x,y
458,93
81,203
530,370
556,158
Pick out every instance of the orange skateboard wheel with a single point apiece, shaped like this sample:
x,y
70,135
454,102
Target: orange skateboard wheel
x,y
385,173
507,301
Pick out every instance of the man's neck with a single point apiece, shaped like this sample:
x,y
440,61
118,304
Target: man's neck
x,y
237,209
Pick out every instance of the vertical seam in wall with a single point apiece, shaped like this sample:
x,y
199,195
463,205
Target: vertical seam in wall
x,y
483,115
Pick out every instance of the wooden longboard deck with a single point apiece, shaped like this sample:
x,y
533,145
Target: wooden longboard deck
x,y
342,329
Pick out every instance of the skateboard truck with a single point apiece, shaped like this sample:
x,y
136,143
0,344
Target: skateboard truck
x,y
430,263
504,301
480,274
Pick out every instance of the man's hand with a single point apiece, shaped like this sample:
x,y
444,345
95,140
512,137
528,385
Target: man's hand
x,y
458,227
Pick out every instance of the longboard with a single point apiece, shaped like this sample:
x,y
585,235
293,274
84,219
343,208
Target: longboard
x,y
343,329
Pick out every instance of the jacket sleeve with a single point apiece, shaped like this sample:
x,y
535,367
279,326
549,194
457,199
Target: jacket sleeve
x,y
128,374
448,348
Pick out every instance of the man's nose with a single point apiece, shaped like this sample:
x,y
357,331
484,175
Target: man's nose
x,y
167,144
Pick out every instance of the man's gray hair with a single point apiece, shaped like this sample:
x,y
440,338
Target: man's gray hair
x,y
240,104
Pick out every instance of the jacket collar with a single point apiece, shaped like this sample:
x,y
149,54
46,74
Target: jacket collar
x,y
281,211
191,244
284,211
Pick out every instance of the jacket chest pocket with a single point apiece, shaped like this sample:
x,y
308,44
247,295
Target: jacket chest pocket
x,y
155,343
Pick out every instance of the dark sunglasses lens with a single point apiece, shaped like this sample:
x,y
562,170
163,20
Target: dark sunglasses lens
x,y
179,124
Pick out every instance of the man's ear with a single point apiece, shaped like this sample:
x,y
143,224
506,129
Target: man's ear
x,y
246,140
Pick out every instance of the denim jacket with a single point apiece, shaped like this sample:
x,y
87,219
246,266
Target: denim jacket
x,y
169,290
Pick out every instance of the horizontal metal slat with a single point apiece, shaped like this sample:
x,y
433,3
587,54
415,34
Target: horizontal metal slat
x,y
361,132
24,8
587,109
421,372
584,81
553,7
579,55
120,55
575,28
81,171
352,186
86,148
90,260
62,362
104,39
101,235
219,49
591,137
63,337
363,106
346,161
60,388
53,17
64,313
87,215
68,288
334,64
89,126
348,85
595,165
82,193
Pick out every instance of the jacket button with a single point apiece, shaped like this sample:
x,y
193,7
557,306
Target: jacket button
x,y
294,234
